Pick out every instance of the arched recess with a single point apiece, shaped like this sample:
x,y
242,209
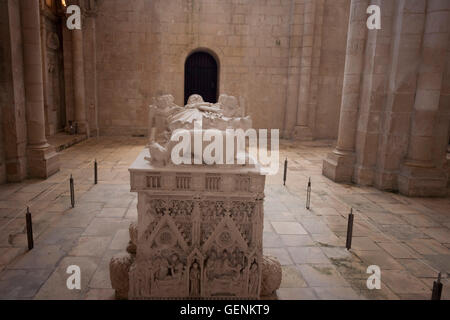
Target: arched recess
x,y
201,76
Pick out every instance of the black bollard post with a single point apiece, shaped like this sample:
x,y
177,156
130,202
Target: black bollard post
x,y
308,195
29,229
95,172
72,192
285,172
437,289
348,244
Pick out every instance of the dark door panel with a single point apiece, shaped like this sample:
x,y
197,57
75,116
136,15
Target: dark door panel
x,y
201,77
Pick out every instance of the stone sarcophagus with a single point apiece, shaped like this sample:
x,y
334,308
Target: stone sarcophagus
x,y
200,222
199,232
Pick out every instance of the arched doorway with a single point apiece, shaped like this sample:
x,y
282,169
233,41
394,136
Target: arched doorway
x,y
200,76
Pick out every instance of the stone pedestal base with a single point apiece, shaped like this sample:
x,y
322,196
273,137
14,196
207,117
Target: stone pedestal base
x,y
83,128
121,264
42,162
338,166
386,180
448,168
198,235
363,176
302,133
415,181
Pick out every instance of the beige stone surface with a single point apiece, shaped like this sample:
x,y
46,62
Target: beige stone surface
x,y
199,226
257,44
411,254
309,68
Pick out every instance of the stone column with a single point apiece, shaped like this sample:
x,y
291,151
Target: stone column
x,y
312,20
381,54
79,93
42,158
90,57
339,164
419,174
12,108
402,74
295,48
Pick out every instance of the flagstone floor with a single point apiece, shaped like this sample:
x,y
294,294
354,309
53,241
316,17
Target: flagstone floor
x,y
408,238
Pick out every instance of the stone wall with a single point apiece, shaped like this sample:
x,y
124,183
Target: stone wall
x,y
3,26
125,66
259,45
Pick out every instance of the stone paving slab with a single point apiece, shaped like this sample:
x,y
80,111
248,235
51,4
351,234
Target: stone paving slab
x,y
409,238
402,282
296,294
55,288
22,284
322,275
288,228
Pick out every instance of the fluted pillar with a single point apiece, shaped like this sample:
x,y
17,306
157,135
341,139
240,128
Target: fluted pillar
x,y
420,175
309,69
79,92
42,158
339,165
295,50
302,130
32,59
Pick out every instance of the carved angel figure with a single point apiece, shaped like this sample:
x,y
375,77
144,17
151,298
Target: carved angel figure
x,y
165,117
253,279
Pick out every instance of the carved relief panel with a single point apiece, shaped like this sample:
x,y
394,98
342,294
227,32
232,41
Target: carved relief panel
x,y
198,246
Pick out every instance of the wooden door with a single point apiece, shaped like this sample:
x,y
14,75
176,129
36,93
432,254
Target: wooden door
x,y
201,77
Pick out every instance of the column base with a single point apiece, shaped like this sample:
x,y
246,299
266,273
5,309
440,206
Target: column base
x,y
94,132
83,128
42,162
386,180
302,133
339,166
363,175
416,181
16,169
286,134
